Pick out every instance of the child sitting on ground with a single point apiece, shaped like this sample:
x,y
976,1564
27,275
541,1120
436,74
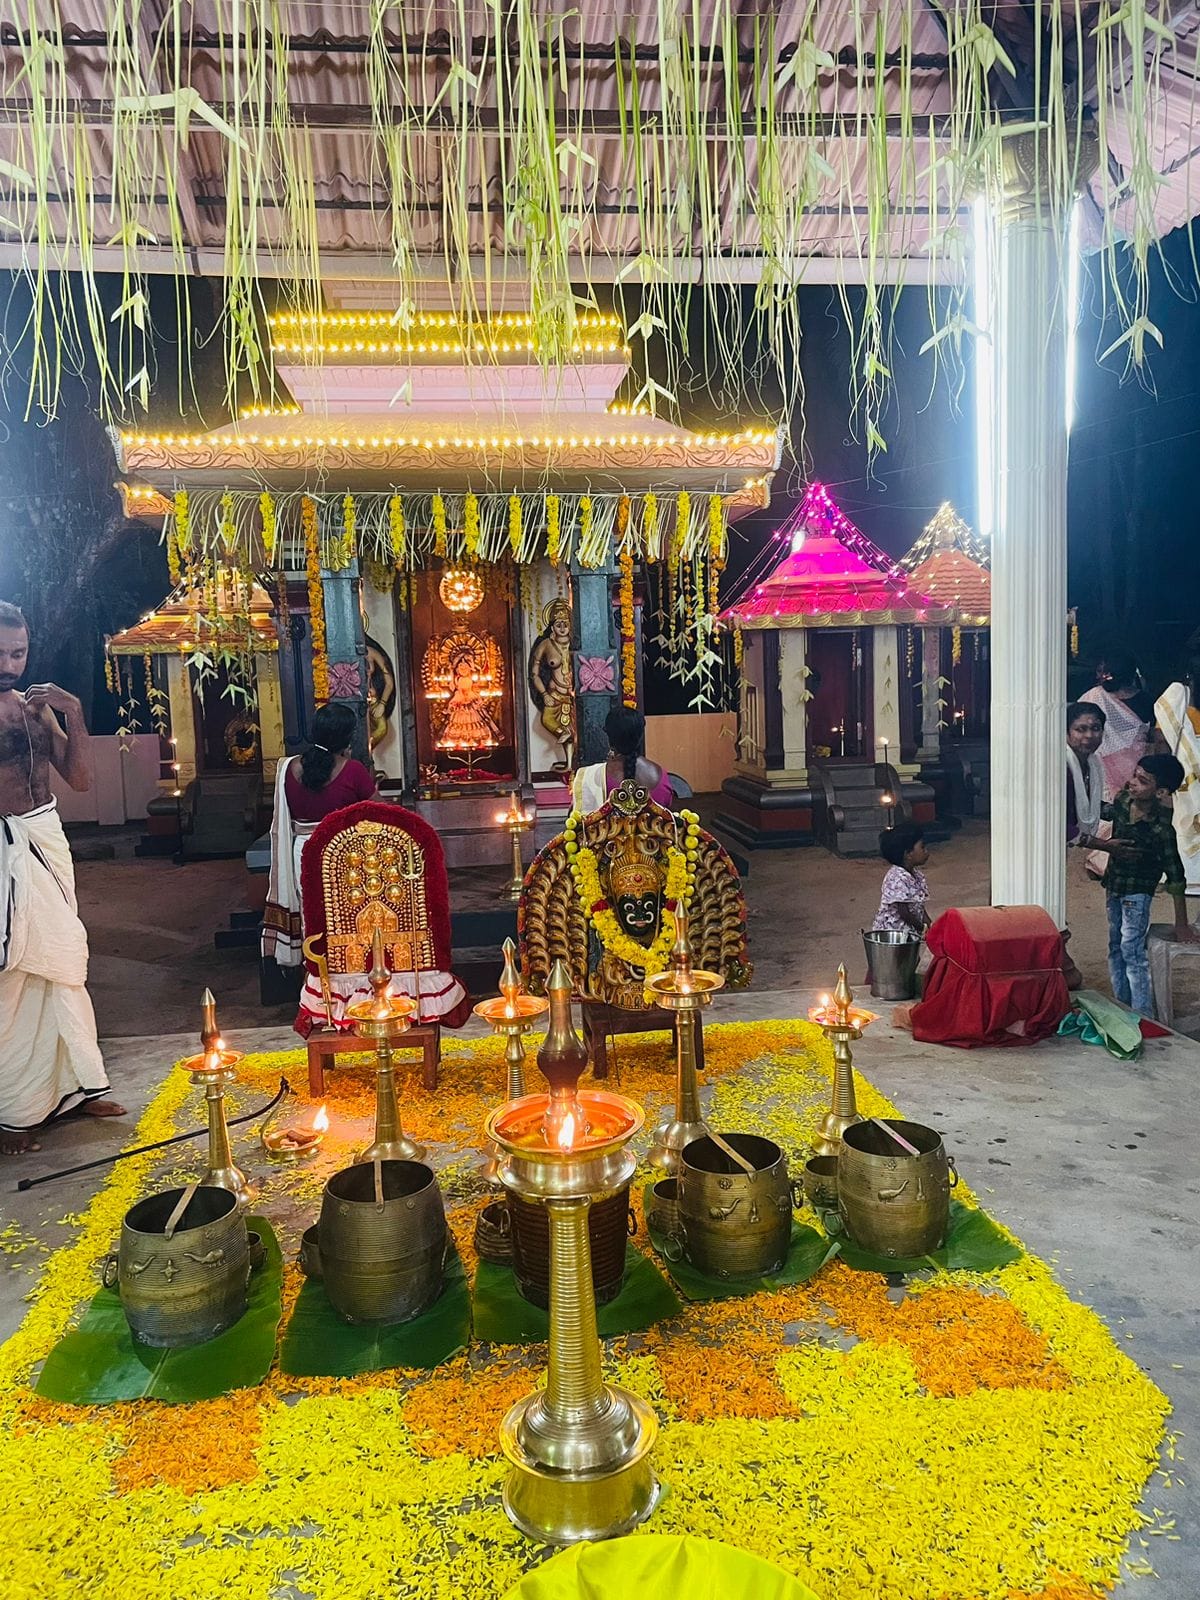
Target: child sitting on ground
x,y
1142,824
902,900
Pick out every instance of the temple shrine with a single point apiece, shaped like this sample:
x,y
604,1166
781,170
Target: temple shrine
x,y
827,738
447,526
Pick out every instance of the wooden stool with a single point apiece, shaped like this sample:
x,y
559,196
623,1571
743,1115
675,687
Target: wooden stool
x,y
324,1042
1164,955
601,1020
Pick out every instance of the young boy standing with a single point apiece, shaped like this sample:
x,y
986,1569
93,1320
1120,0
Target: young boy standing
x,y
1141,822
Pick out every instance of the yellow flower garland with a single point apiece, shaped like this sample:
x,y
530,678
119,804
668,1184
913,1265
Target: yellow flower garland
x,y
585,873
553,529
266,507
396,533
439,525
179,536
628,637
514,524
471,524
349,529
316,600
716,550
650,526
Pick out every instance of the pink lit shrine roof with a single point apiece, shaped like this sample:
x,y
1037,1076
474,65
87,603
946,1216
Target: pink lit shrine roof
x,y
832,576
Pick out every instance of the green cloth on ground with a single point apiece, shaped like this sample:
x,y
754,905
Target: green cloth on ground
x,y
503,1316
658,1566
973,1244
1098,1020
99,1364
319,1344
808,1252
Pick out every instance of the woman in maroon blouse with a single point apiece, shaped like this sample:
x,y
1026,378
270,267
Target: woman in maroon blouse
x,y
326,777
307,788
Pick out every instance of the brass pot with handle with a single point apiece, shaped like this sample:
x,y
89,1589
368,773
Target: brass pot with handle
x,y
894,1180
735,1201
183,1266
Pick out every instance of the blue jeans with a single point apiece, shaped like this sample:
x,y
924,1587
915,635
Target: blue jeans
x,y
1128,963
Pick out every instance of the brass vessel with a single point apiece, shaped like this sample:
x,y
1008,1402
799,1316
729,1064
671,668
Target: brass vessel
x,y
662,1209
610,1224
893,1203
183,1266
685,991
382,1239
821,1183
213,1070
842,1022
511,1014
735,1223
382,1019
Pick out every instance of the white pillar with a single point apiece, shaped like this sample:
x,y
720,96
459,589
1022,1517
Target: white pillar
x,y
793,697
885,694
1029,563
931,694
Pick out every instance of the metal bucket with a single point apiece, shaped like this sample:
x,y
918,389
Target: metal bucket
x,y
662,1208
182,1278
892,960
734,1223
821,1183
610,1223
891,1203
383,1238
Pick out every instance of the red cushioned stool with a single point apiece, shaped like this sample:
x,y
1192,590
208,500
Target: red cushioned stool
x,y
996,978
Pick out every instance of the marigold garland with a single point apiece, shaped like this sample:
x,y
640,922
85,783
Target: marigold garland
x,y
349,530
628,630
266,507
553,529
587,556
316,600
514,524
716,550
739,646
179,536
650,526
110,679
956,645
439,525
677,891
228,529
396,532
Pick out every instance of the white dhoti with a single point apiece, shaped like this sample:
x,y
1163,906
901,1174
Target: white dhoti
x,y
49,1058
1173,714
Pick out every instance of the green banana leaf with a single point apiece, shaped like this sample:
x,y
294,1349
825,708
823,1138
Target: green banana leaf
x,y
503,1315
318,1344
973,1244
808,1252
98,1363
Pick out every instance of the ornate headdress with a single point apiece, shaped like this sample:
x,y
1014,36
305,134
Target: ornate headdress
x,y
631,872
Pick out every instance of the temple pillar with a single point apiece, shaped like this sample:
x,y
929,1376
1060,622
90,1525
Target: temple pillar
x,y
1029,562
597,645
793,700
931,694
270,712
885,697
346,650
183,720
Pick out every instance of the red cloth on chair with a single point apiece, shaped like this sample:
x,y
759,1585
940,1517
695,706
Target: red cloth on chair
x,y
996,978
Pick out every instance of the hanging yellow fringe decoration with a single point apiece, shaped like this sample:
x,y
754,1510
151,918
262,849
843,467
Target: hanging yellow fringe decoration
x,y
586,554
228,527
179,536
316,600
650,526
628,634
553,529
1074,639
439,525
471,525
396,533
716,550
266,508
739,646
514,525
349,529
956,645
109,676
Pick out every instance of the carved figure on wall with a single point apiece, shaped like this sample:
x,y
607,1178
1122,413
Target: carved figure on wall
x,y
381,691
461,673
551,683
602,895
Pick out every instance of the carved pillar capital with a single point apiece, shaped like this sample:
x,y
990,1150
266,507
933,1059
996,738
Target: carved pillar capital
x,y
1031,184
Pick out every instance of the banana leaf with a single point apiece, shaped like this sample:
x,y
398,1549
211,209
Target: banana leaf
x,y
808,1252
503,1315
318,1344
99,1364
973,1244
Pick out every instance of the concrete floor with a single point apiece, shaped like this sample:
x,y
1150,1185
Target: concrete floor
x,y
1090,1160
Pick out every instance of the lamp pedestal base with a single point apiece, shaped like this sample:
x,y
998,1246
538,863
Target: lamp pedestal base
x,y
567,1506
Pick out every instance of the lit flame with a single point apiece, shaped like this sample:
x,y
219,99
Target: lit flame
x,y
321,1121
564,1134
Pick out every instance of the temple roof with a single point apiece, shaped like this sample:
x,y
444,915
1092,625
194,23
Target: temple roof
x,y
949,564
171,628
832,576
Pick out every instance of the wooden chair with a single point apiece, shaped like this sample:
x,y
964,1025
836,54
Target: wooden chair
x,y
373,866
602,1022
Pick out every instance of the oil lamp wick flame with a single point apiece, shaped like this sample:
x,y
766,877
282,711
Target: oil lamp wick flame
x,y
321,1121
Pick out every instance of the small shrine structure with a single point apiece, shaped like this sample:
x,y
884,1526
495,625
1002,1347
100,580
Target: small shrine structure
x,y
950,565
449,528
826,743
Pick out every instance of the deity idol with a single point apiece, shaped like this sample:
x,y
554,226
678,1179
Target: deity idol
x,y
635,889
551,686
461,672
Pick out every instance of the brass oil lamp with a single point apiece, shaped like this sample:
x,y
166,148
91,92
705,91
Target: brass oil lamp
x,y
841,1022
516,822
383,1019
579,1449
213,1069
686,992
511,1014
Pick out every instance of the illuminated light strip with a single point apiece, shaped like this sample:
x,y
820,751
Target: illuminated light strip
x,y
196,441
1074,271
426,319
985,375
449,347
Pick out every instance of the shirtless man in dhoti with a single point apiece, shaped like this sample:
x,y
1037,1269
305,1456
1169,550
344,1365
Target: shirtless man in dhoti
x,y
50,1062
